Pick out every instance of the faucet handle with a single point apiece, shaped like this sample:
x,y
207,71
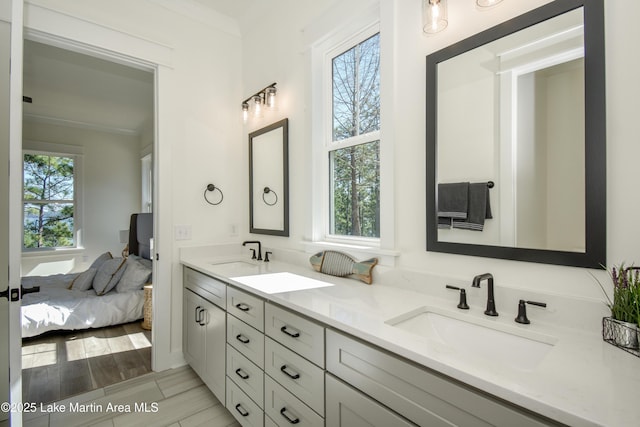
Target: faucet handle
x,y
253,252
463,297
266,256
522,310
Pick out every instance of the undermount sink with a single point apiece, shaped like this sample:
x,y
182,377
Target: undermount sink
x,y
475,338
235,268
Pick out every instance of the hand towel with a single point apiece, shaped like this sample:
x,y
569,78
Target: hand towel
x,y
479,208
453,199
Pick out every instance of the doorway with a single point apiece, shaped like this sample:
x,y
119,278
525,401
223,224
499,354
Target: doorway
x,y
101,114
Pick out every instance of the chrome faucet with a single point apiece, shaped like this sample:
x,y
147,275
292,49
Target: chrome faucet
x,y
259,248
491,303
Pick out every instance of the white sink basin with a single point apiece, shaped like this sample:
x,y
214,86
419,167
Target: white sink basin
x,y
235,268
280,282
498,344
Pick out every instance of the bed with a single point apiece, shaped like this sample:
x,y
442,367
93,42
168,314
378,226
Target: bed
x,y
109,292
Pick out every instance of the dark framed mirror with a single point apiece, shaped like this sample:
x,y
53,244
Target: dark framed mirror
x,y
269,179
516,139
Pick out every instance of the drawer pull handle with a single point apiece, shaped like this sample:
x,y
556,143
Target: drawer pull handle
x,y
241,410
295,334
242,306
283,411
201,319
242,374
242,339
197,311
293,376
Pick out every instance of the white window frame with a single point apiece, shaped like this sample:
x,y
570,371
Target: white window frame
x,y
322,54
46,149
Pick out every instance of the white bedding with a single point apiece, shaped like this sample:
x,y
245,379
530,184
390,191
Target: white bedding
x,y
55,307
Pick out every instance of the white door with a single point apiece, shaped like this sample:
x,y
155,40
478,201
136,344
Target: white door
x,y
5,44
11,11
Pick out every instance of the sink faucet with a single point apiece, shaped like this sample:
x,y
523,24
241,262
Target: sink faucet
x,y
259,248
491,303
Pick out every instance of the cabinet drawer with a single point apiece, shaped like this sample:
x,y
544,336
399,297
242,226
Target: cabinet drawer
x,y
268,422
246,375
246,307
242,407
285,409
209,288
245,339
422,396
301,377
295,332
347,407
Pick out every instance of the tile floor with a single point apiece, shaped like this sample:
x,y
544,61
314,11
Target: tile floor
x,y
174,398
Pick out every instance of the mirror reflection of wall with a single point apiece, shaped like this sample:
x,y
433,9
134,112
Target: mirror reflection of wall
x,y
269,180
522,99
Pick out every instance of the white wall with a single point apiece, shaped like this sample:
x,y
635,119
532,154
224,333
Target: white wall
x,y
289,66
110,193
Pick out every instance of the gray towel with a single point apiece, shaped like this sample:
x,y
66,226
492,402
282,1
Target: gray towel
x,y
453,202
479,208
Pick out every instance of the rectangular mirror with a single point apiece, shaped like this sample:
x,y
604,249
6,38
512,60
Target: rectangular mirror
x,y
509,121
269,180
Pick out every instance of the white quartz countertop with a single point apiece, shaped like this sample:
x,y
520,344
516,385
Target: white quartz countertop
x,y
581,381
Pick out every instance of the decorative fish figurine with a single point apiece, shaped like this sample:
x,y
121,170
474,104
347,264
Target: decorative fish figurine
x,y
340,264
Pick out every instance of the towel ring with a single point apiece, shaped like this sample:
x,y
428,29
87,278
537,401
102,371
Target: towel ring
x,y
211,187
267,190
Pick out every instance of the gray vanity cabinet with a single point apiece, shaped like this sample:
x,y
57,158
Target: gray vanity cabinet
x,y
204,329
347,407
245,357
420,395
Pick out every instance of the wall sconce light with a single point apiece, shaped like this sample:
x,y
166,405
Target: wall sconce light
x,y
434,16
487,3
257,102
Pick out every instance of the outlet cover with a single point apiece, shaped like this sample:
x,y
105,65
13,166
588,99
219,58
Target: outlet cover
x,y
182,232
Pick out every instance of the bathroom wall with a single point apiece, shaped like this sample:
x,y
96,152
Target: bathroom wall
x,y
284,35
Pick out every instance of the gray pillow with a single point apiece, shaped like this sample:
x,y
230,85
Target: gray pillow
x,y
100,260
84,280
135,276
108,275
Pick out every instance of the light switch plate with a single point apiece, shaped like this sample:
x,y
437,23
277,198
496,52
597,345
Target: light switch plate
x,y
182,232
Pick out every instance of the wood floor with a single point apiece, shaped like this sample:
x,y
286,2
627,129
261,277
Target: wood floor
x,y
174,398
63,364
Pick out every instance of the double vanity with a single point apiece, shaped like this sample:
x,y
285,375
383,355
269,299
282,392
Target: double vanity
x,y
281,344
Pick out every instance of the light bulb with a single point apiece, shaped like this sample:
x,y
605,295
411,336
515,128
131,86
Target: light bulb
x,y
434,16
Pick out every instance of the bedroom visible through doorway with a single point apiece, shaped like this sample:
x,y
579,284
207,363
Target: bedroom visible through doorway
x,y
101,114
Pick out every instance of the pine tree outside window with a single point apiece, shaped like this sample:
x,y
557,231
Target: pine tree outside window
x,y
354,149
49,202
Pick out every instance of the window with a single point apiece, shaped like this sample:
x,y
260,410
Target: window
x,y
354,146
49,203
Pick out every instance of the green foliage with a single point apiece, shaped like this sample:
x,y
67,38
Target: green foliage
x,y
626,294
48,201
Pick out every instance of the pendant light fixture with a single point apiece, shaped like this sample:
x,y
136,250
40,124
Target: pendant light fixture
x,y
434,16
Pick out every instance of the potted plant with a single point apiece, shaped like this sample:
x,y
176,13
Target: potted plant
x,y
625,306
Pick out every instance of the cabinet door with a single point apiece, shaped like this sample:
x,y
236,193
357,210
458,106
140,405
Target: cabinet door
x,y
214,349
192,342
347,407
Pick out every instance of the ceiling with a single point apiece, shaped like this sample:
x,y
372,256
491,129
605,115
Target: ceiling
x,y
72,89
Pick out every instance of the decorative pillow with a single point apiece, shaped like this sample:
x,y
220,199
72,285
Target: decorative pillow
x,y
135,276
108,275
101,259
84,280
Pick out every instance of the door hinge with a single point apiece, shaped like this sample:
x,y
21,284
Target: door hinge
x,y
15,294
5,294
